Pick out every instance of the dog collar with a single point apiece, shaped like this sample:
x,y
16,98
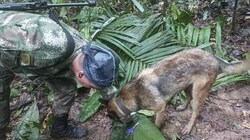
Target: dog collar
x,y
121,105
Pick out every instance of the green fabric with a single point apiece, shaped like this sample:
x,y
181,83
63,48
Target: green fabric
x,y
64,90
31,41
5,80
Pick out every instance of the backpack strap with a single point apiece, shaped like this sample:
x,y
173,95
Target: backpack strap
x,y
70,41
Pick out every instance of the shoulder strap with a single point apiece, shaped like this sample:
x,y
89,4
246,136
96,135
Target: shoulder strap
x,y
70,41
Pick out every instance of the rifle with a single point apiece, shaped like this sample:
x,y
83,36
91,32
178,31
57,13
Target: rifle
x,y
41,5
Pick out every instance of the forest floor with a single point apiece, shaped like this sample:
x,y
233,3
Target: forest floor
x,y
224,116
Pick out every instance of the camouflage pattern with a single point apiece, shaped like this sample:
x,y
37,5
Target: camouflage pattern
x,y
37,39
39,42
6,78
108,93
29,45
65,90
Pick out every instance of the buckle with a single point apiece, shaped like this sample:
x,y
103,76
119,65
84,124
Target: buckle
x,y
25,59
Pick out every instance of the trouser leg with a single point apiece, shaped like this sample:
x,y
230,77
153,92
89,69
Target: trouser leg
x,y
6,78
64,90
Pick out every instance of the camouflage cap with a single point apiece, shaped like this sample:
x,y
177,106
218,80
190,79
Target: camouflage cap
x,y
100,65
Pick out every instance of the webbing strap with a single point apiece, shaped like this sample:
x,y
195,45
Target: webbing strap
x,y
70,41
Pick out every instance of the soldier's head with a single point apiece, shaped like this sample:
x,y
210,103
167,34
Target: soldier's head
x,y
99,67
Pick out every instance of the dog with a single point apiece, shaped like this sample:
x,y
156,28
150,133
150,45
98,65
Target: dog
x,y
191,70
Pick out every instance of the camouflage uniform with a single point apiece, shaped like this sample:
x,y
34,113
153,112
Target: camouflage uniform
x,y
31,45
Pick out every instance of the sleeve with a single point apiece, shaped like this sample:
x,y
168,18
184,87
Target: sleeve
x,y
108,93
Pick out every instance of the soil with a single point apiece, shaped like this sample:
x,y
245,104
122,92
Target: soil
x,y
224,116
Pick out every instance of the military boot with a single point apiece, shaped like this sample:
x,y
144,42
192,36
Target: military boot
x,y
60,128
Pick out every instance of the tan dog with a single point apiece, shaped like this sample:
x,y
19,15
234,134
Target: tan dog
x,y
193,71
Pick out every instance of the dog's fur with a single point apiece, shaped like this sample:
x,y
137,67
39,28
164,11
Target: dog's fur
x,y
193,71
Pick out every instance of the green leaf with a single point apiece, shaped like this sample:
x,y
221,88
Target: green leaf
x,y
218,35
163,54
190,33
28,128
195,36
118,130
175,11
130,71
224,79
146,130
202,36
138,5
207,34
183,37
179,33
165,50
117,43
182,97
153,42
90,106
203,46
247,54
123,37
148,113
14,93
219,51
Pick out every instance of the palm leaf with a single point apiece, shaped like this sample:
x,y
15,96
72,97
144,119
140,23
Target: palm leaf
x,y
228,79
137,40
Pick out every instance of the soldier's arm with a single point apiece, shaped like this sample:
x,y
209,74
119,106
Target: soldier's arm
x,y
108,93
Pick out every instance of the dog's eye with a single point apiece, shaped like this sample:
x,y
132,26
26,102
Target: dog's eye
x,y
113,115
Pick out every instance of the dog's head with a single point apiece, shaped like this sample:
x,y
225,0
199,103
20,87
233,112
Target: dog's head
x,y
118,111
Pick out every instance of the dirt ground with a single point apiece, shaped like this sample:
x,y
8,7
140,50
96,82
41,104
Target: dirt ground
x,y
224,116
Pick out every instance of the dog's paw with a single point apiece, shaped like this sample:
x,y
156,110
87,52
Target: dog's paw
x,y
186,130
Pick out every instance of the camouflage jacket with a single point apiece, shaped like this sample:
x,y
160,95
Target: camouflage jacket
x,y
32,44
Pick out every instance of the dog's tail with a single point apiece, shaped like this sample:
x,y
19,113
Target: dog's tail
x,y
234,68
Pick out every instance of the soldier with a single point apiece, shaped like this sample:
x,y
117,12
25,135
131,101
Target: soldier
x,y
35,45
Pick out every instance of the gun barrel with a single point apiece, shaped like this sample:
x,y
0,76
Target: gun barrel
x,y
72,4
37,6
16,6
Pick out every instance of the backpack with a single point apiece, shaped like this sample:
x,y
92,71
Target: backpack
x,y
32,41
